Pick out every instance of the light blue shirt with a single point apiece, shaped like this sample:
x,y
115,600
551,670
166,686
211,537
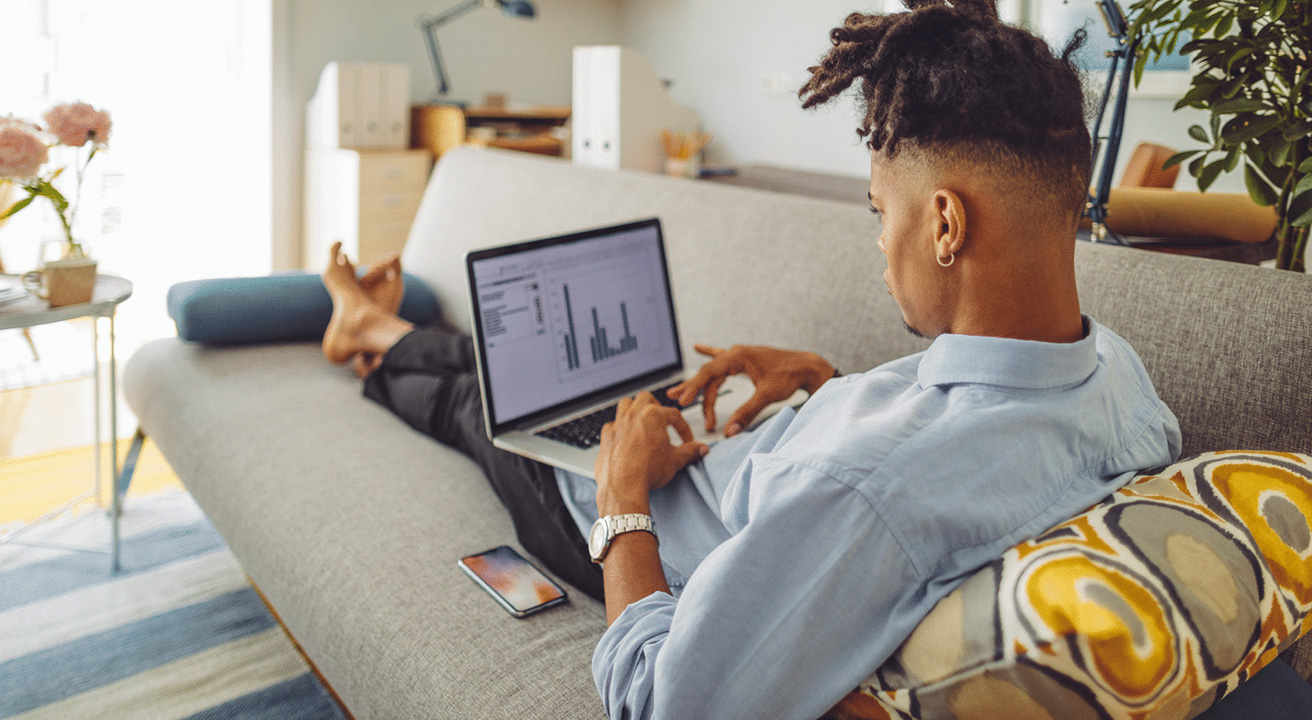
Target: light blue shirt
x,y
802,554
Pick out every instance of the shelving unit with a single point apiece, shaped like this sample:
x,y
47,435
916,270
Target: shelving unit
x,y
439,128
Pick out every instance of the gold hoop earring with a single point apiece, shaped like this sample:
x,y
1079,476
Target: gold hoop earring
x,y
952,257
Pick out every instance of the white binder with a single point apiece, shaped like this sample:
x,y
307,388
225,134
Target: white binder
x,y
359,106
620,108
396,105
330,114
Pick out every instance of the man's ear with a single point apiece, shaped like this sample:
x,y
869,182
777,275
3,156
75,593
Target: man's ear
x,y
950,216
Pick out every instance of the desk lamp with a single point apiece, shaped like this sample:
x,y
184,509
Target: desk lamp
x,y
430,24
1122,59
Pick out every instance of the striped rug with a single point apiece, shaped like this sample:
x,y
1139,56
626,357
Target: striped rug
x,y
179,633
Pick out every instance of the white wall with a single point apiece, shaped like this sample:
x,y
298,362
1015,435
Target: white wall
x,y
484,51
718,52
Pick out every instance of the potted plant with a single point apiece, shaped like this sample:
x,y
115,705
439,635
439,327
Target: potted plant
x,y
1251,61
25,163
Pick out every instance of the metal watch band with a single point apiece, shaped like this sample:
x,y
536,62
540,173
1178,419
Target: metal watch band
x,y
620,524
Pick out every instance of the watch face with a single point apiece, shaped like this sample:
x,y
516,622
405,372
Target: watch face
x,y
597,538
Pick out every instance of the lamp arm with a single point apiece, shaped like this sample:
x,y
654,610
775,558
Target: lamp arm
x,y
429,26
1120,72
435,57
433,22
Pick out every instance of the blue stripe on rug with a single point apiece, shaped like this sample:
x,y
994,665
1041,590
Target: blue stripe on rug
x,y
144,551
80,665
301,698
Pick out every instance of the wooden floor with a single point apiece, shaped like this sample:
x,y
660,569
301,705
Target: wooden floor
x,y
30,486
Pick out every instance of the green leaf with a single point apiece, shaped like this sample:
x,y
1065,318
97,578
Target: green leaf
x,y
13,209
45,189
1280,7
1237,56
1279,152
1196,165
1209,174
1294,132
1159,12
1255,154
1300,209
1303,220
1238,105
1193,18
1223,27
1195,98
1178,158
1304,185
1247,127
1216,125
1258,188
1305,166
1231,88
1198,133
1232,159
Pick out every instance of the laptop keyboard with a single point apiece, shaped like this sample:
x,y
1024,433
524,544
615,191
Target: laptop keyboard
x,y
585,431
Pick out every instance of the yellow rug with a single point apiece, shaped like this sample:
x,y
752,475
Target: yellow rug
x,y
31,486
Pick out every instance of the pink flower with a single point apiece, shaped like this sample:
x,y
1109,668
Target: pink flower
x,y
76,123
21,151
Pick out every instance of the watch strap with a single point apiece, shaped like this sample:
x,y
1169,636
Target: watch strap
x,y
630,522
617,525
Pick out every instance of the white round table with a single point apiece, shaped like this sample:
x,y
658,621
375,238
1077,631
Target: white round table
x,y
28,311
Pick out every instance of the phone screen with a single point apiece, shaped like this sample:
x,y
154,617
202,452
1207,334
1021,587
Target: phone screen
x,y
519,587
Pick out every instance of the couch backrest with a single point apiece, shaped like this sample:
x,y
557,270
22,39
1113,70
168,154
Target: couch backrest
x,y
1229,346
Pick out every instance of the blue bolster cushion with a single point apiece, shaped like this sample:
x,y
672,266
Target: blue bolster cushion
x,y
272,308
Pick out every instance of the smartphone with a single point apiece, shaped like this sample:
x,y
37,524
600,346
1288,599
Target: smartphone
x,y
512,581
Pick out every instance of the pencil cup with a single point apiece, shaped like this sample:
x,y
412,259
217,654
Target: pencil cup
x,y
683,167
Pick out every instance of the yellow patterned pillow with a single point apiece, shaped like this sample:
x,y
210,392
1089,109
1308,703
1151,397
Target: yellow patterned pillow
x,y
1153,604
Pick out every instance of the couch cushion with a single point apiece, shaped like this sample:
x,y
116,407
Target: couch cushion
x,y
273,308
1159,600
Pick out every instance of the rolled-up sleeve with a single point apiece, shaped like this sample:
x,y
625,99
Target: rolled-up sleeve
x,y
782,620
624,664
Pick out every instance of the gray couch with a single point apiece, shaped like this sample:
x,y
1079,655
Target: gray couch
x,y
351,523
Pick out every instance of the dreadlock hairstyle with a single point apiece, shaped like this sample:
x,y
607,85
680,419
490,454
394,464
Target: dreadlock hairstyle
x,y
951,81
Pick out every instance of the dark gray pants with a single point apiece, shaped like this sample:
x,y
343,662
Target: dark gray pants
x,y
428,379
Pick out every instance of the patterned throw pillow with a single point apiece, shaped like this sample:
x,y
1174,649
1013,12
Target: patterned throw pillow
x,y
1153,604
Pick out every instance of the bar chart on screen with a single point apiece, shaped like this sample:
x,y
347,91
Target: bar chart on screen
x,y
599,323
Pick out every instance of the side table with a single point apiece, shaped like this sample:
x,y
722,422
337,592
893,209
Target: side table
x,y
110,291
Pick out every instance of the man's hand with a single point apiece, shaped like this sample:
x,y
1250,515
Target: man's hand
x,y
636,455
775,373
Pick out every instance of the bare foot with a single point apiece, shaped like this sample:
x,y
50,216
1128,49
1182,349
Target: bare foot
x,y
365,363
351,308
384,284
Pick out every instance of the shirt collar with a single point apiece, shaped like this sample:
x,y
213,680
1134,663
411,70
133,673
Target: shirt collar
x,y
1008,362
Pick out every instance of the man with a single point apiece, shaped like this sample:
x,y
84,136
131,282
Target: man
x,y
793,559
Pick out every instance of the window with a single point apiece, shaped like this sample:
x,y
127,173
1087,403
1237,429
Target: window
x,y
184,190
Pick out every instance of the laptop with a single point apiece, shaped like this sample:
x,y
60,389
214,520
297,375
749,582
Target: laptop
x,y
566,326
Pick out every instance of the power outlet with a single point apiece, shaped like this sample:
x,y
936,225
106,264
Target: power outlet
x,y
777,83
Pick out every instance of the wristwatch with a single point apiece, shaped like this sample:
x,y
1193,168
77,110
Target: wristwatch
x,y
606,528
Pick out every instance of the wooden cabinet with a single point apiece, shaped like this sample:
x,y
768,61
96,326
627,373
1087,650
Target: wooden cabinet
x,y
442,127
367,199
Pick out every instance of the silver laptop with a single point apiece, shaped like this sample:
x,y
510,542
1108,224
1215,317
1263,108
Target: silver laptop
x,y
566,326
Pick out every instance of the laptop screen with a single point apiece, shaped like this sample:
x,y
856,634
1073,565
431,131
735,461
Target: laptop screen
x,y
564,319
